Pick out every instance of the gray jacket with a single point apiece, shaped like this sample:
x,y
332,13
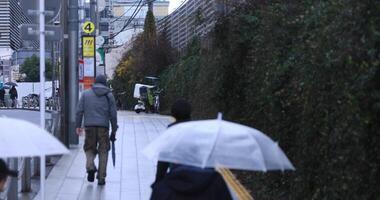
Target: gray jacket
x,y
97,109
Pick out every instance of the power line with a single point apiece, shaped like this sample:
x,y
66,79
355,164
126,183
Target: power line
x,y
134,4
136,11
127,22
133,16
167,16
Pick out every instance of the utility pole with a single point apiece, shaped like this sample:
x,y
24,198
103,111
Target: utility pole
x,y
53,73
93,15
72,72
63,77
42,89
94,19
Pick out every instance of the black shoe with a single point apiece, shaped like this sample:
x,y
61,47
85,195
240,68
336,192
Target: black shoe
x,y
101,182
91,175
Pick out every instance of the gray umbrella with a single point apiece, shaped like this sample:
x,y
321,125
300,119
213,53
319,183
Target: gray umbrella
x,y
11,83
113,153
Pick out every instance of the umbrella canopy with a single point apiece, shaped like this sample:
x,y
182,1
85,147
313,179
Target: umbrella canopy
x,y
209,143
11,83
6,87
19,138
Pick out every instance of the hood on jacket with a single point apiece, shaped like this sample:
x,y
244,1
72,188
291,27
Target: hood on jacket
x,y
100,89
101,79
190,180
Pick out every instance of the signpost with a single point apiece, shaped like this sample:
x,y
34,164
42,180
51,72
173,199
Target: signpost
x,y
88,27
100,61
88,53
88,45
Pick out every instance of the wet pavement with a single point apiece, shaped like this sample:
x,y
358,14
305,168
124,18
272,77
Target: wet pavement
x,y
129,179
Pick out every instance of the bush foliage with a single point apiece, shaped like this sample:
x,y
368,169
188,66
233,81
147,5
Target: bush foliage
x,y
307,74
149,55
31,68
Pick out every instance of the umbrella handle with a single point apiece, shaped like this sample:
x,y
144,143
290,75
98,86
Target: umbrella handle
x,y
240,191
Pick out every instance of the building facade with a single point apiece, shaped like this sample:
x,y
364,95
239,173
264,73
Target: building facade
x,y
11,16
193,18
122,12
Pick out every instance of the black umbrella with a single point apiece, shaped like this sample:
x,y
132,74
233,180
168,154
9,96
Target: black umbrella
x,y
6,86
113,153
11,83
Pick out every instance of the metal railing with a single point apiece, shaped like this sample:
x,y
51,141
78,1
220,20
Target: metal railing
x,y
27,167
33,102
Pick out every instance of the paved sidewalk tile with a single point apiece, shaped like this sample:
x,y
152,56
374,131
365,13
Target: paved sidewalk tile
x,y
129,179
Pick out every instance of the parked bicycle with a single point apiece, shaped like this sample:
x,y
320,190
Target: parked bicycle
x,y
30,101
148,95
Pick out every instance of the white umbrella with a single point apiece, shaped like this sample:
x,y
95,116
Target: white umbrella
x,y
19,138
209,143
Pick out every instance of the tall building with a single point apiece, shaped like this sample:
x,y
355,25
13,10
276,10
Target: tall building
x,y
193,18
123,12
11,16
103,15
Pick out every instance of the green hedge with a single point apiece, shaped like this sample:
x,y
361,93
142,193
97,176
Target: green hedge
x,y
307,74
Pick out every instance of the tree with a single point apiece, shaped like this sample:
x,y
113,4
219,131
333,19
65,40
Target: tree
x,y
150,54
31,68
150,29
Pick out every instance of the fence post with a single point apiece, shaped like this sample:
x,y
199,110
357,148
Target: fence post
x,y
13,186
26,185
36,166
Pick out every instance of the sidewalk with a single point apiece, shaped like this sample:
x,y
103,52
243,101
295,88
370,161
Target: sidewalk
x,y
132,175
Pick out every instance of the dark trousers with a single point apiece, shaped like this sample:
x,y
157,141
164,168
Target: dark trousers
x,y
97,142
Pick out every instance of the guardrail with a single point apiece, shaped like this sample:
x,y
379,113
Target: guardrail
x,y
28,167
32,102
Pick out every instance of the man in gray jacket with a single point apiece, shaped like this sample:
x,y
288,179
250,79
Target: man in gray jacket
x,y
97,107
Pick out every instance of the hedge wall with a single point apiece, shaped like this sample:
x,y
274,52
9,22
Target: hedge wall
x,y
307,74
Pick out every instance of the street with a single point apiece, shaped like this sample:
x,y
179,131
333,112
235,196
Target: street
x,y
31,116
252,88
132,175
129,179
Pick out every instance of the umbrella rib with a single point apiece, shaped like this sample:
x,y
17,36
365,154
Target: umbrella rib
x,y
213,146
261,152
278,157
176,144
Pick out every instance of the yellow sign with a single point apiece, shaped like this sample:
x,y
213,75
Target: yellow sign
x,y
88,46
88,27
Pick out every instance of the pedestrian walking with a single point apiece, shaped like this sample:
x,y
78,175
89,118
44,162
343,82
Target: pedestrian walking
x,y
97,107
191,183
2,97
14,96
181,111
177,182
4,173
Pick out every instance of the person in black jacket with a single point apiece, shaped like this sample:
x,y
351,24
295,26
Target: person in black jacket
x,y
4,173
186,182
2,95
181,111
191,183
14,96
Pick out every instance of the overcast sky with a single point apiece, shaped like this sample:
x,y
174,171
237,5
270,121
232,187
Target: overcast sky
x,y
174,4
